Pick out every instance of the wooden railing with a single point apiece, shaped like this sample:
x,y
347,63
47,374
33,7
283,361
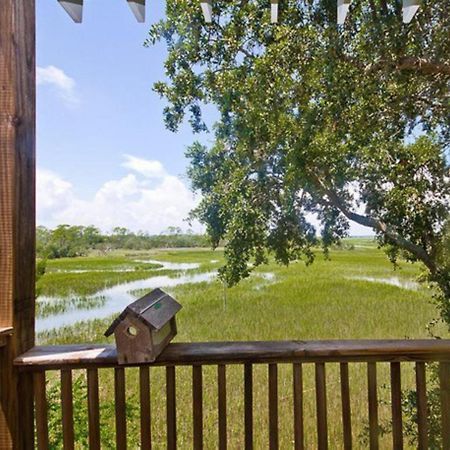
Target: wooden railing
x,y
320,354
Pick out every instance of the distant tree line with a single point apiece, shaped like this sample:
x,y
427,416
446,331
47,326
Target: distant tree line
x,y
74,240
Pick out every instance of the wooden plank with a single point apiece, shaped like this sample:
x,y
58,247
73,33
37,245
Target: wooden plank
x,y
17,217
93,409
273,407
197,405
67,409
298,407
422,406
5,333
41,411
222,405
171,408
79,356
396,400
248,406
346,407
144,393
373,405
444,382
321,405
120,407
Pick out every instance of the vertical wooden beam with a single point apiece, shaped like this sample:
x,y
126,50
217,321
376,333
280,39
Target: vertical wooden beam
x,y
197,405
372,396
346,406
222,405
144,388
120,406
67,409
273,407
444,383
248,406
396,400
321,405
298,407
41,411
422,406
17,215
171,408
93,409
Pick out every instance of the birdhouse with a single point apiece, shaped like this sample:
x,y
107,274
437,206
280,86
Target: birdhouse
x,y
145,327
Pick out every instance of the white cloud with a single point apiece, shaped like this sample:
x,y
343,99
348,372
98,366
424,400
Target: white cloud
x,y
60,81
54,192
147,167
151,200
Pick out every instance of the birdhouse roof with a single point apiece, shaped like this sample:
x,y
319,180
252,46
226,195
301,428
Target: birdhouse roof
x,y
154,310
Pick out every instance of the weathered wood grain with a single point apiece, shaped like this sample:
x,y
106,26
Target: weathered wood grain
x,y
41,411
248,406
171,408
5,333
79,356
346,406
17,215
273,407
372,396
396,407
444,383
67,409
321,406
222,405
298,407
197,406
145,405
120,408
422,406
93,409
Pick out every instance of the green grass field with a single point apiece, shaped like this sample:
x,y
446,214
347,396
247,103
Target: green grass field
x,y
327,300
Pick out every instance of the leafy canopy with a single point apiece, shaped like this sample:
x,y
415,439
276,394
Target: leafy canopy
x,y
315,118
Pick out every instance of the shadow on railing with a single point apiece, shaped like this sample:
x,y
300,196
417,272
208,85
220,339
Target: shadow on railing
x,y
361,355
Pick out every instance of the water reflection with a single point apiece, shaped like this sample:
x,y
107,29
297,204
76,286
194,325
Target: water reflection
x,y
116,298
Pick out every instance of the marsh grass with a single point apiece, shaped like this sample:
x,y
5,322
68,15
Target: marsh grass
x,y
301,303
50,307
69,284
96,263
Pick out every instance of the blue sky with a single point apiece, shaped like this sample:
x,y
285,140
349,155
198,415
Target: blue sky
x,y
104,155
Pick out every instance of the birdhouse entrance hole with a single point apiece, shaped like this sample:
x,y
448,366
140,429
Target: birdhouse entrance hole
x,y
132,331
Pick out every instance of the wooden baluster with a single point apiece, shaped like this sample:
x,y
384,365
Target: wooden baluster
x,y
121,418
396,400
321,402
197,403
41,410
248,406
346,407
444,382
93,409
222,405
298,407
67,409
171,408
422,406
373,405
273,407
144,392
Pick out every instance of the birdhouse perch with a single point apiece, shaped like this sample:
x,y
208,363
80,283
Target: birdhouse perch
x,y
145,327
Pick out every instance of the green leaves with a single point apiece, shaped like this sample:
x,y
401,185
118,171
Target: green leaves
x,y
317,121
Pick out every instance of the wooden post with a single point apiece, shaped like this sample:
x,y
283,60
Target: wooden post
x,y
17,216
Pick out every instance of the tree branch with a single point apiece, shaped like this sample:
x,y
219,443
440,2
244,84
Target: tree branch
x,y
419,252
420,65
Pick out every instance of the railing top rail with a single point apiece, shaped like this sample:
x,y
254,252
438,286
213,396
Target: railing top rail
x,y
81,356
